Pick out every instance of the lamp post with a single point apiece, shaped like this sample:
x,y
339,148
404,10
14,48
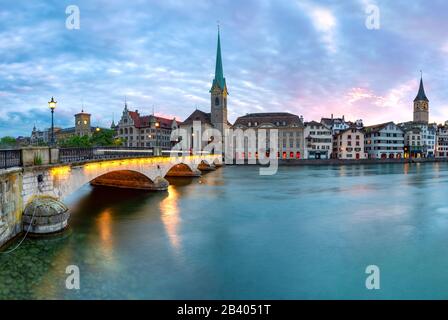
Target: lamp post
x,y
52,105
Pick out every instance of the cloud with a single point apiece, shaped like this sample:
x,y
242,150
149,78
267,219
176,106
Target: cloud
x,y
324,22
312,58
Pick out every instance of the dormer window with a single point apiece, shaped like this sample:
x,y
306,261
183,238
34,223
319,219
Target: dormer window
x,y
256,124
249,124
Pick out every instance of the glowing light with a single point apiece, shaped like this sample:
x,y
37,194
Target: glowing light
x,y
52,104
60,171
170,217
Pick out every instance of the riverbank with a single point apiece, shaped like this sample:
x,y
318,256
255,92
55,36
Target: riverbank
x,y
340,162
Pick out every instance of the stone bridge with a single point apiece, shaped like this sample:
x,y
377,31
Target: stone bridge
x,y
42,173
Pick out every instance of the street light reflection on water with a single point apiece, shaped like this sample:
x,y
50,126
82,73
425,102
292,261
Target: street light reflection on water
x,y
169,208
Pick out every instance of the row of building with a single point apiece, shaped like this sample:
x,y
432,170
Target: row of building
x,y
297,139
330,138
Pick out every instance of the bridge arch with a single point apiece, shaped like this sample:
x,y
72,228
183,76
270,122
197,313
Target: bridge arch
x,y
181,170
206,165
141,175
128,179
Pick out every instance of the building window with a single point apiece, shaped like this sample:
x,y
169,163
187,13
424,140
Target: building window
x,y
216,101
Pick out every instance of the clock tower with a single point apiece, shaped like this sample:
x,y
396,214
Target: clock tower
x,y
421,105
82,124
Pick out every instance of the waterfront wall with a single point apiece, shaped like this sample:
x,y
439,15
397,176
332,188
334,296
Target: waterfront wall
x,y
11,204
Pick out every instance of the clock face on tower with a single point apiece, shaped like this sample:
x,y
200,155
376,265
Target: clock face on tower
x,y
422,106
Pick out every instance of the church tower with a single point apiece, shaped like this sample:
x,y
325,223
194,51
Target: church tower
x,y
82,124
219,94
421,105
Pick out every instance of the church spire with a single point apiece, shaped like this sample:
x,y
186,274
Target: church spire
x,y
125,104
421,96
219,80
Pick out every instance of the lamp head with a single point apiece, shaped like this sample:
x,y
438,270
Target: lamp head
x,y
52,104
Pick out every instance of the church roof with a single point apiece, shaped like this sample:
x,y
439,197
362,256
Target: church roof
x,y
198,115
421,96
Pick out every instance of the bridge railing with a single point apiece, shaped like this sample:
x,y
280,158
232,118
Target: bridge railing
x,y
10,158
67,155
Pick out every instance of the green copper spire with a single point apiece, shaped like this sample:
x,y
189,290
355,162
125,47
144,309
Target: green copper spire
x,y
219,73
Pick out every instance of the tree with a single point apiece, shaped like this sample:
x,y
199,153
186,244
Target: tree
x,y
7,142
100,138
76,142
104,138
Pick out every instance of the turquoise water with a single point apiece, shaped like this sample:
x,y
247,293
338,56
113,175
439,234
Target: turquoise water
x,y
305,233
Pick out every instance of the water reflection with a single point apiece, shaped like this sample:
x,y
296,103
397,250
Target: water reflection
x,y
104,225
169,208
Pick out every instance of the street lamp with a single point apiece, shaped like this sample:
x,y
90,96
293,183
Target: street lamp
x,y
52,105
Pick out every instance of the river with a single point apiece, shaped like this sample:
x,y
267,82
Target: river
x,y
308,232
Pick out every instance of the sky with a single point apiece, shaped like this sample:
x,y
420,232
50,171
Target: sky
x,y
311,58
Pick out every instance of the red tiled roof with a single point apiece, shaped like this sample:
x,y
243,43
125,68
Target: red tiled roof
x,y
144,121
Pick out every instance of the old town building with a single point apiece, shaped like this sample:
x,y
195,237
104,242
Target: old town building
x,y
335,124
383,141
290,129
420,139
318,141
145,131
442,141
348,144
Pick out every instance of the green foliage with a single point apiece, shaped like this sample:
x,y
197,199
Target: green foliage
x,y
37,159
76,142
100,138
103,138
7,142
